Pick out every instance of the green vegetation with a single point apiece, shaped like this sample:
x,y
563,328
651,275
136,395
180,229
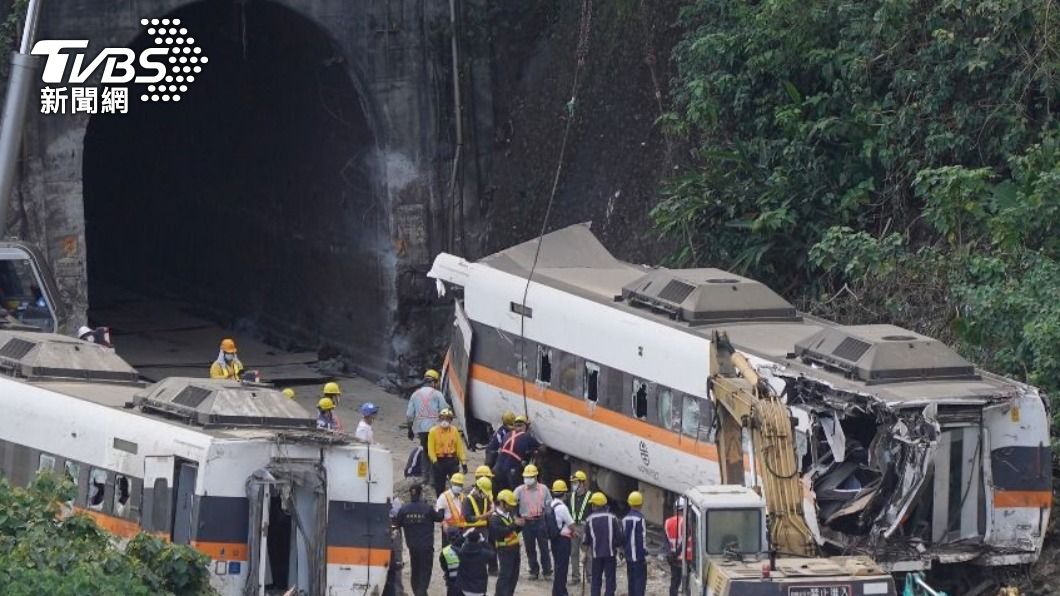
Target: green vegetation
x,y
882,160
42,552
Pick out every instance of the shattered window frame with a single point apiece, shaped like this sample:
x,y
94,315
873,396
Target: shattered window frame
x,y
122,508
545,362
592,371
690,416
46,462
664,398
638,398
94,477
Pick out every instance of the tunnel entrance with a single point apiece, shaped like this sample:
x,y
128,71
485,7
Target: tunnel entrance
x,y
254,196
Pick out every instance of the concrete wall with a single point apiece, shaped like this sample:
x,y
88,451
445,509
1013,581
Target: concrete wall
x,y
403,81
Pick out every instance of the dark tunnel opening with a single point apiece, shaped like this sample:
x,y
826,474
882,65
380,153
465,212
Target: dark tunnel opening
x,y
254,195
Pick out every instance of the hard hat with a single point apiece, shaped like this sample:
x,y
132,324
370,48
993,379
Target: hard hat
x,y
559,486
508,419
369,409
530,471
83,331
483,470
288,393
326,404
484,484
580,476
507,497
681,503
635,499
228,346
445,413
520,419
332,388
457,478
432,375
598,499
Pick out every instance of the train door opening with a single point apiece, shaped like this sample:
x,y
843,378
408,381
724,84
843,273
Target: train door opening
x,y
184,504
278,541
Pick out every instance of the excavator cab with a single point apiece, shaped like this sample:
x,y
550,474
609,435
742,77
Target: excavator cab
x,y
28,296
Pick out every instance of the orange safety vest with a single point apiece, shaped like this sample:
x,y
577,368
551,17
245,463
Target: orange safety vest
x,y
456,511
486,502
509,446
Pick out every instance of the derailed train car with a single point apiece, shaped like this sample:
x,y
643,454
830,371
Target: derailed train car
x,y
908,452
238,472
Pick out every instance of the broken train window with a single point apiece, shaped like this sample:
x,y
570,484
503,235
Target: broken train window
x,y
97,486
544,365
690,415
592,381
640,399
122,492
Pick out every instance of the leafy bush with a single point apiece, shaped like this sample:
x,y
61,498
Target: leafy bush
x,y
44,551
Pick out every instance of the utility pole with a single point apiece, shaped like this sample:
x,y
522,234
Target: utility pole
x,y
23,69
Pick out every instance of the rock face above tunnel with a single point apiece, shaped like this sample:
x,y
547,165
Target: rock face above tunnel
x,y
292,192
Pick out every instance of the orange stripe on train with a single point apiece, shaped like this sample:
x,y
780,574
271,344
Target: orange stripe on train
x,y
353,555
1006,499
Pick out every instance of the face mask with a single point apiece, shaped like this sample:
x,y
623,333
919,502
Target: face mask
x,y
445,424
529,481
576,486
230,357
458,489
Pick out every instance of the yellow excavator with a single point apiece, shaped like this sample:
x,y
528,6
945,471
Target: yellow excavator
x,y
755,542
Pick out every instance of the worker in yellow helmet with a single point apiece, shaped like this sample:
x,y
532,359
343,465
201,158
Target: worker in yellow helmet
x,y
227,366
450,505
288,393
504,529
636,545
578,503
326,418
495,442
332,391
477,509
561,542
534,499
445,450
422,413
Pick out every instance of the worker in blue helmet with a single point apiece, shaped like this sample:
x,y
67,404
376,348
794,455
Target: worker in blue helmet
x,y
364,427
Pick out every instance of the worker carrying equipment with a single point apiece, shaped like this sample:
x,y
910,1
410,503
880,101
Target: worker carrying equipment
x,y
227,366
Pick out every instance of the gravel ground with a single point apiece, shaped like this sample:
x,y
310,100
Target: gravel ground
x,y
390,433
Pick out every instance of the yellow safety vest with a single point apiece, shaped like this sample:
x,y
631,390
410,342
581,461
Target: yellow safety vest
x,y
512,538
486,502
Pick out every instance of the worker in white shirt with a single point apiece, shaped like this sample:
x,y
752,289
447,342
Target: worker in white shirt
x,y
450,504
561,543
364,427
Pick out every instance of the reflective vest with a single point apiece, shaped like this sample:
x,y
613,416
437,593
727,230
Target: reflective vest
x,y
509,446
478,510
452,561
456,511
512,538
577,510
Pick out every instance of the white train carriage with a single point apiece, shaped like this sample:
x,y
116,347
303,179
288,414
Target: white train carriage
x,y
237,472
908,451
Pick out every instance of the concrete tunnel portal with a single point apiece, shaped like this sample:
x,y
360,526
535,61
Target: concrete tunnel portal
x,y
254,195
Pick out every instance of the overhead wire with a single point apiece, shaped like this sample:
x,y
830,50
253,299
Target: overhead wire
x,y
585,27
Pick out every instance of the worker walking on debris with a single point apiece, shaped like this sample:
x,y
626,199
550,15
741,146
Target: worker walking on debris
x,y
514,455
475,555
449,560
675,528
478,506
417,520
578,504
422,413
636,534
504,528
326,418
560,543
364,427
499,435
533,499
603,537
450,505
227,366
445,450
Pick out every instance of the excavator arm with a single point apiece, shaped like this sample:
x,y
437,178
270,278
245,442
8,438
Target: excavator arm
x,y
744,401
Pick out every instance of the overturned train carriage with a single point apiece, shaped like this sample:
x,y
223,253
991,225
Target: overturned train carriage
x,y
238,472
907,452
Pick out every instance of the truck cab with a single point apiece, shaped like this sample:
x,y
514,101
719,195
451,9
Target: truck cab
x,y
726,528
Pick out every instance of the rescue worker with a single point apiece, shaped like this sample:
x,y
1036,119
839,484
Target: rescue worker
x,y
578,504
560,544
445,450
99,335
484,471
499,435
636,546
450,506
422,413
227,366
326,418
393,585
364,427
603,537
477,509
514,454
417,520
675,528
504,529
332,391
533,500
449,561
475,555
288,393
